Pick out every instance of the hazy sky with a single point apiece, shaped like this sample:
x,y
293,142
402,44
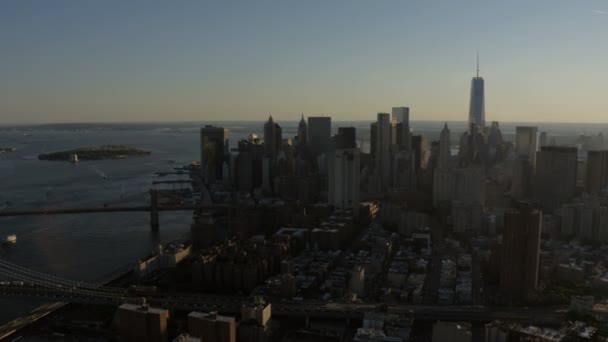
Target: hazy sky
x,y
148,60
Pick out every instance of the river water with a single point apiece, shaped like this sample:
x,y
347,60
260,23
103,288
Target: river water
x,y
87,246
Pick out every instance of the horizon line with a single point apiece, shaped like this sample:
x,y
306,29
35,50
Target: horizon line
x,y
13,124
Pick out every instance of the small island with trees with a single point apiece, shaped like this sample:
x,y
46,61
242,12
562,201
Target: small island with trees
x,y
95,153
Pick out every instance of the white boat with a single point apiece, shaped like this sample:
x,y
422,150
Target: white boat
x,y
73,158
10,239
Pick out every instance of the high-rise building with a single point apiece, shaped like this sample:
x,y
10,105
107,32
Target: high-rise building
x,y
344,172
248,165
373,131
495,135
555,178
597,171
444,147
319,134
214,152
477,109
521,179
585,218
401,116
273,138
520,251
421,148
403,171
383,151
302,132
141,323
212,327
526,142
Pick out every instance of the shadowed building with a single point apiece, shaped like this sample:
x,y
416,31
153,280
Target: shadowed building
x,y
521,179
214,152
555,180
344,173
141,323
520,251
319,134
526,143
597,171
212,327
401,116
273,138
302,132
383,151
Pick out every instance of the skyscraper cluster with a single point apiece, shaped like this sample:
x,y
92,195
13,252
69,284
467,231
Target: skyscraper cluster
x,y
480,183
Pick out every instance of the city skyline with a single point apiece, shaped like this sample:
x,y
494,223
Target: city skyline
x,y
301,171
88,63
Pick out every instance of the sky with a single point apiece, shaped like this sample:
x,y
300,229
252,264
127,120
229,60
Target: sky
x,y
131,61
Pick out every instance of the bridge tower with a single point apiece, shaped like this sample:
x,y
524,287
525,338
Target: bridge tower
x,y
154,210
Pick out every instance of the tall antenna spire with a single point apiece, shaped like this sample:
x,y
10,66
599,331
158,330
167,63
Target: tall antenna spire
x,y
477,63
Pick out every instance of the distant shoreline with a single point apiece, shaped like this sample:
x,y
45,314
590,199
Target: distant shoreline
x,y
95,153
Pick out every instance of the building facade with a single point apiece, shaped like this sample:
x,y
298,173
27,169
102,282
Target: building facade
x,y
526,142
520,251
383,151
597,171
214,152
319,134
555,178
344,171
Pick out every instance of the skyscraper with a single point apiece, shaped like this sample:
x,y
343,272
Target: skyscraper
x,y
344,171
248,165
401,116
273,138
319,134
443,176
373,130
520,251
477,108
526,143
555,178
597,171
521,179
421,148
444,147
214,152
302,132
382,155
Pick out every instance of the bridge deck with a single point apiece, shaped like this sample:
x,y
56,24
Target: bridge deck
x,y
59,211
17,324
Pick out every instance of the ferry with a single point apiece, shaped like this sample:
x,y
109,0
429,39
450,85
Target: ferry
x,y
10,239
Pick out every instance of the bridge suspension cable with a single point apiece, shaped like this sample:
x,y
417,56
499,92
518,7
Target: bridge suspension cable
x,y
24,274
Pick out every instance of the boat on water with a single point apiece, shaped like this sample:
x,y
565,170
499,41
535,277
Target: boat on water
x,y
73,158
10,239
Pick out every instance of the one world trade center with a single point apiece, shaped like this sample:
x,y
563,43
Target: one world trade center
x,y
477,108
